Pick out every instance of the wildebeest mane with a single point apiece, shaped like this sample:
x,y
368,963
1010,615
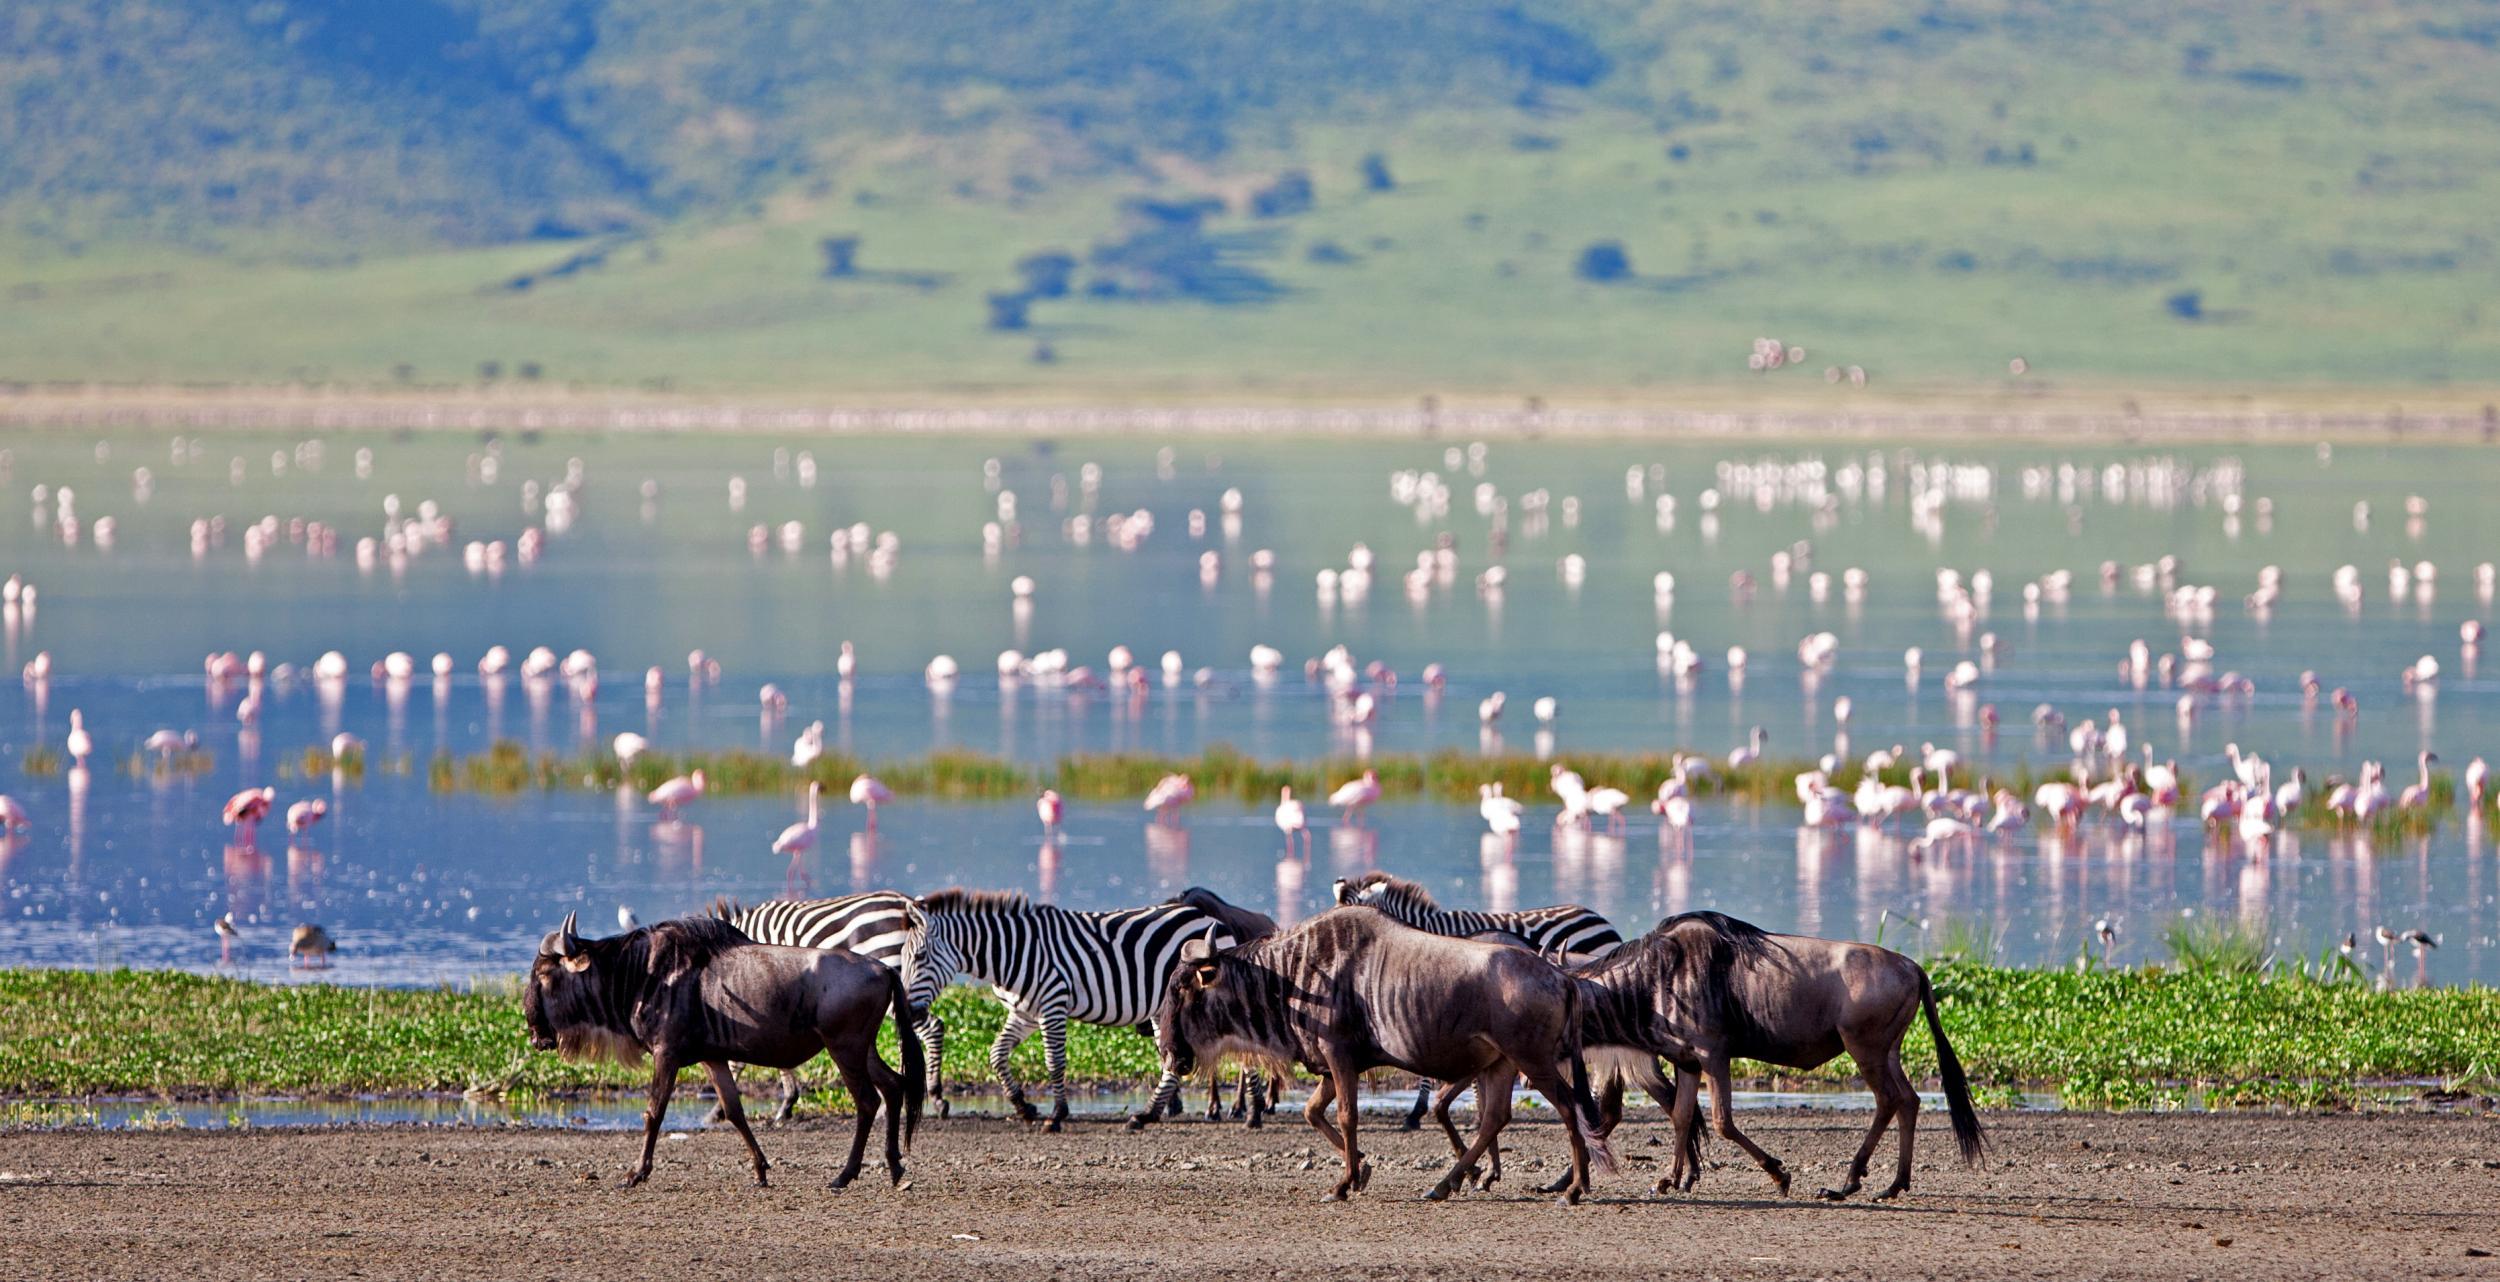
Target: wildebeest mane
x,y
956,899
688,943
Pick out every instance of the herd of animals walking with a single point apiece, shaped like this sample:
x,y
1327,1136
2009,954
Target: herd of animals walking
x,y
1388,979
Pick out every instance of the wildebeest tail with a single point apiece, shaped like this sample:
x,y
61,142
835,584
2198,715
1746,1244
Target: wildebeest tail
x,y
1592,1119
915,1060
1966,1130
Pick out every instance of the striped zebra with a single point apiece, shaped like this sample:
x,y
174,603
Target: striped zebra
x,y
876,925
1564,934
1050,965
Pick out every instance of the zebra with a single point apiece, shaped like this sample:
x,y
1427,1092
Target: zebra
x,y
1050,965
876,925
1564,934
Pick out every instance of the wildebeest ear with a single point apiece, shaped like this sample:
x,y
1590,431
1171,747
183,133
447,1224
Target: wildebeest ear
x,y
577,962
1205,973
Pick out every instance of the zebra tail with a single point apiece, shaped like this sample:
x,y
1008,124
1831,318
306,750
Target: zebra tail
x,y
915,1061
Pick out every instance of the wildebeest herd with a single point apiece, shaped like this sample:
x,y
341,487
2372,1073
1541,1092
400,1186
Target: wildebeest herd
x,y
1388,979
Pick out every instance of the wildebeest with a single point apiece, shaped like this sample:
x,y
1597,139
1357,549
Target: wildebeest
x,y
1352,990
695,991
1253,1099
1704,989
1565,934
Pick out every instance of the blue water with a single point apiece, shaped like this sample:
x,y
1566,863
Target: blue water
x,y
125,868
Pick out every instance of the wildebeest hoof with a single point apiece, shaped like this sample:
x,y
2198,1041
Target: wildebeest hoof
x,y
1257,1122
1363,1176
1834,1195
634,1177
942,1106
1336,1194
1890,1193
1412,1123
1570,1197
839,1183
1438,1193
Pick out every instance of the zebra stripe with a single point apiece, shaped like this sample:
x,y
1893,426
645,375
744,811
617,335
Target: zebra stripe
x,y
876,925
1564,933
1050,965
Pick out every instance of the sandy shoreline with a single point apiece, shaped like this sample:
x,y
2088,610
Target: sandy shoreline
x,y
2061,1195
2445,414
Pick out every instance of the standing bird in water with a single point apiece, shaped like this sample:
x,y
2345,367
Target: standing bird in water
x,y
245,809
675,793
13,816
1354,796
628,746
227,933
800,837
869,791
304,814
312,946
81,744
1051,810
1169,794
1291,821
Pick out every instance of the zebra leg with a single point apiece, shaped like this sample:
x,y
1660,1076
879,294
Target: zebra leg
x,y
1055,1054
1167,1092
1020,1025
933,1041
1254,1089
1415,1116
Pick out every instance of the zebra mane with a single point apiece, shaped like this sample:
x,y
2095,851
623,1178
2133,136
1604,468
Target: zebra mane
x,y
725,908
956,899
1398,888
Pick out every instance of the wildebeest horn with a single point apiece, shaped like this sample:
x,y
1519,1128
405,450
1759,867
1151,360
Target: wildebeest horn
x,y
566,940
1200,949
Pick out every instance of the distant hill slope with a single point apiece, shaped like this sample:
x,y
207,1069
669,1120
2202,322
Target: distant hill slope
x,y
1221,196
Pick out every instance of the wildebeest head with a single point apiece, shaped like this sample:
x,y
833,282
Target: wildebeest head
x,y
1214,1004
566,1001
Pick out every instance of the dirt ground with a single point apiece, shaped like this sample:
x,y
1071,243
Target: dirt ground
x,y
2170,1197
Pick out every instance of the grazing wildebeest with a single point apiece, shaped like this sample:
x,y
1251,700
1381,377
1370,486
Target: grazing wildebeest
x,y
1352,990
1704,989
1565,934
695,991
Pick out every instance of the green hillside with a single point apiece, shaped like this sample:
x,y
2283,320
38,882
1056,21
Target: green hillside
x,y
1202,198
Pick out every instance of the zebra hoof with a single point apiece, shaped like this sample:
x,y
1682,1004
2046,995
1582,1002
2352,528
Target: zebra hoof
x,y
1137,1122
943,1108
1051,1127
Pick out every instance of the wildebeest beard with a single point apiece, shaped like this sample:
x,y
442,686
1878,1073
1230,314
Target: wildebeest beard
x,y
588,1044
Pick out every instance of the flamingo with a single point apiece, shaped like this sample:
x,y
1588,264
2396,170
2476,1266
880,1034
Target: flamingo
x,y
1051,809
2417,796
677,792
809,746
12,815
1546,709
227,933
1752,752
1608,804
1169,794
344,745
2010,814
1354,796
165,743
1572,792
800,837
628,746
1291,821
245,809
2477,776
80,744
1501,814
870,791
2062,801
1826,807
1490,710
301,816
846,663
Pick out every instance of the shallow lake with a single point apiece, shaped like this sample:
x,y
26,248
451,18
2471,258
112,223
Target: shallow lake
x,y
652,550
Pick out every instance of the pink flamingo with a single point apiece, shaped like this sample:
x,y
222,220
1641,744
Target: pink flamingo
x,y
245,809
1291,821
1169,794
2417,796
869,791
1051,809
676,792
80,742
304,814
12,815
1354,796
800,837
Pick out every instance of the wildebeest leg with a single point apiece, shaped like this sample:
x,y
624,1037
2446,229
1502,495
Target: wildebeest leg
x,y
1441,1102
1723,1119
1020,1025
663,1085
1492,1114
791,1088
1683,1102
725,1082
1552,1085
1055,1055
1894,1098
1415,1116
1316,1113
853,1061
1357,1171
890,1085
